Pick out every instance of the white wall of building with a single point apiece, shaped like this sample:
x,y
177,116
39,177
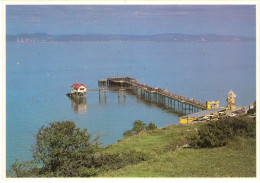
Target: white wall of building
x,y
80,89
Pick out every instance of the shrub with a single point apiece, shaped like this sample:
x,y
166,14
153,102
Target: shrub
x,y
128,133
151,126
62,150
219,133
59,149
138,126
25,169
106,162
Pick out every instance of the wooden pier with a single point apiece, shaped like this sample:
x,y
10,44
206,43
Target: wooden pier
x,y
154,96
160,96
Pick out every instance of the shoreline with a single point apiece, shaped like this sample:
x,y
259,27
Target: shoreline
x,y
195,41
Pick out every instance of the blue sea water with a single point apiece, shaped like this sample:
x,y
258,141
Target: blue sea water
x,y
36,87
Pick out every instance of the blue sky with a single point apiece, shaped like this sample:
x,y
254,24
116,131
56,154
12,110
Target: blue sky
x,y
132,19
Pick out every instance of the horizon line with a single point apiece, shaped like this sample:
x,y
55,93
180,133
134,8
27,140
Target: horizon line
x,y
208,34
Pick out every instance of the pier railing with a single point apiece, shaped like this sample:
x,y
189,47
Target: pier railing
x,y
131,83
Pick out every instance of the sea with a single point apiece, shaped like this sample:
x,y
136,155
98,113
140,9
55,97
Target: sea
x,y
38,75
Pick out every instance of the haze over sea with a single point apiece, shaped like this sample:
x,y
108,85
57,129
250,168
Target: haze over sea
x,y
39,76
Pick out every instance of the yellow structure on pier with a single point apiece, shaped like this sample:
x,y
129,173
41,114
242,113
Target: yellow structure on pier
x,y
205,115
186,119
231,101
212,104
213,111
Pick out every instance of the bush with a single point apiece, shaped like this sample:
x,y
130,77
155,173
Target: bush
x,y
219,133
25,169
151,126
138,126
62,150
128,133
59,151
105,162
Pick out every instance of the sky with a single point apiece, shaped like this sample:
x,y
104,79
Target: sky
x,y
238,20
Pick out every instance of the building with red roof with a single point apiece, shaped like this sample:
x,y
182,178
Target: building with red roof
x,y
78,88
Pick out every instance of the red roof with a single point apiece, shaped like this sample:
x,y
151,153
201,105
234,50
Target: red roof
x,y
76,85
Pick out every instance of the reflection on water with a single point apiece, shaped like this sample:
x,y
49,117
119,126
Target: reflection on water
x,y
79,105
121,100
149,103
102,96
102,101
121,96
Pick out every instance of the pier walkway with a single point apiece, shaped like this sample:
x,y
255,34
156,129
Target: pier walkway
x,y
157,95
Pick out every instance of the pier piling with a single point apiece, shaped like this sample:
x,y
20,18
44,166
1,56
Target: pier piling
x,y
153,95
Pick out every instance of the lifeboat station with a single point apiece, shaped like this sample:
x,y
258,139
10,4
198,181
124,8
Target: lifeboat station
x,y
77,91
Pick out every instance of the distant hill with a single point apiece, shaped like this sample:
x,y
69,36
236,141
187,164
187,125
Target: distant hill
x,y
43,38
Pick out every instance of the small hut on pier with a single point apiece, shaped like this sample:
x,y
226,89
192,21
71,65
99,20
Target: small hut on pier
x,y
81,88
77,91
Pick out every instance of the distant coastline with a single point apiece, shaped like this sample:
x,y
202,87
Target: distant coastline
x,y
85,38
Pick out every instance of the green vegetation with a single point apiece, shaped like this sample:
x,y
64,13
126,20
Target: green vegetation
x,y
62,150
168,156
238,159
219,133
59,149
226,148
139,126
151,126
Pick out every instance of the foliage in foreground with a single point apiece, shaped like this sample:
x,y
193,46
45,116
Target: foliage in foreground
x,y
234,160
139,126
170,159
158,153
62,150
219,133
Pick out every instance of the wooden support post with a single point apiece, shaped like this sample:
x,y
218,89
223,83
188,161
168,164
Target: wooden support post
x,y
104,92
164,100
121,92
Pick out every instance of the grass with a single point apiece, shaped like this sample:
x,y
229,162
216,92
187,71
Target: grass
x,y
156,141
167,159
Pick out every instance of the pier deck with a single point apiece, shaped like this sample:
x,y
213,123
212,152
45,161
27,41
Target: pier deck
x,y
130,83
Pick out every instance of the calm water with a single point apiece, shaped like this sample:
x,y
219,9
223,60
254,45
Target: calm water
x,y
36,87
